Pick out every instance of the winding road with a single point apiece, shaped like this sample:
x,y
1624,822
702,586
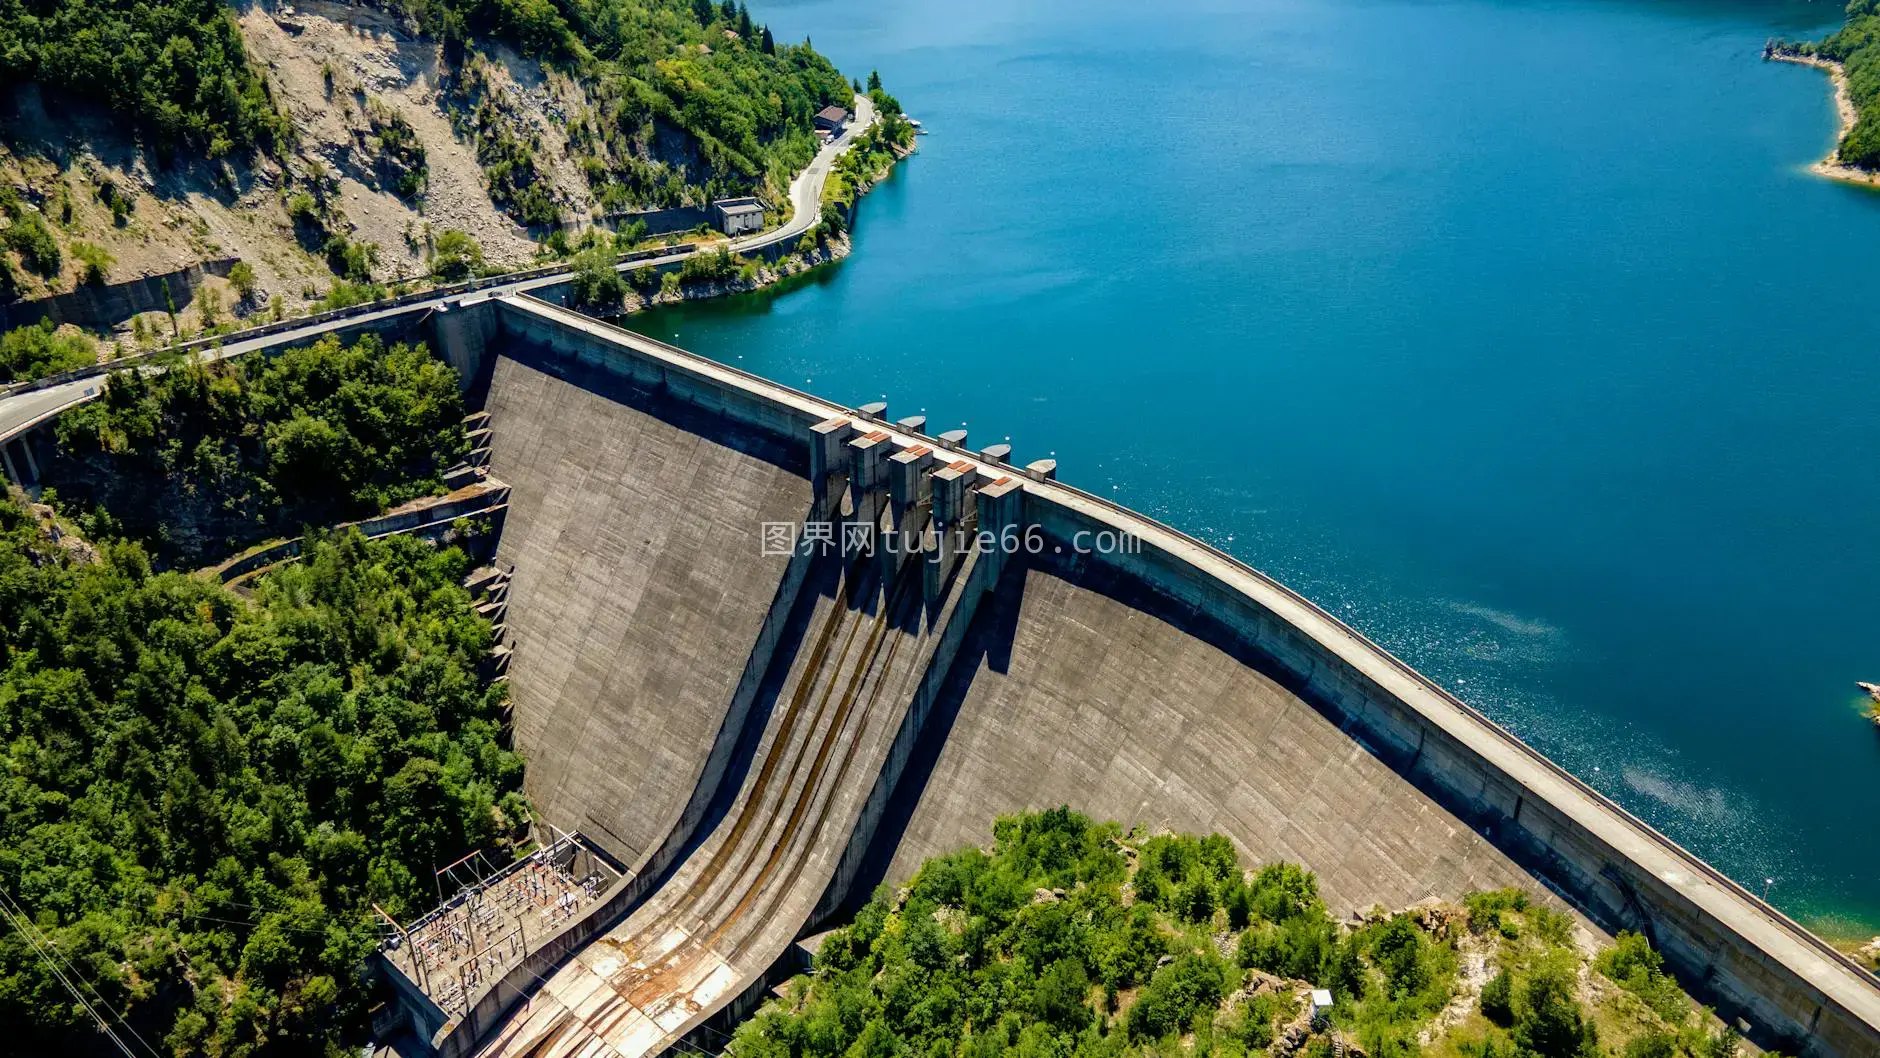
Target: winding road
x,y
25,408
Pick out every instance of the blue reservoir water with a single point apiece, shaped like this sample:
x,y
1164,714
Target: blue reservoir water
x,y
1516,334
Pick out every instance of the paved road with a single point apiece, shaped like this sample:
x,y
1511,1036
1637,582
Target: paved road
x,y
806,190
22,411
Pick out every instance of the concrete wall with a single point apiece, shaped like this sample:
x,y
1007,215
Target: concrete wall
x,y
661,221
1122,712
639,594
109,305
1179,686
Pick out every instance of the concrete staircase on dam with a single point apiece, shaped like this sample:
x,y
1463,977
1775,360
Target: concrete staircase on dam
x,y
880,622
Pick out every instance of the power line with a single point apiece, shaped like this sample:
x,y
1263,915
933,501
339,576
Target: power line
x,y
16,916
20,911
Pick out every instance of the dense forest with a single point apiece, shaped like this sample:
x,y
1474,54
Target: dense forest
x,y
208,457
202,795
1073,938
175,69
1857,48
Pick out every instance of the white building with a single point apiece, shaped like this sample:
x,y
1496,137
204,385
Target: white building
x,y
737,216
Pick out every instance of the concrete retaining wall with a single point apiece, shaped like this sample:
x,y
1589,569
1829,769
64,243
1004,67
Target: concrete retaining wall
x,y
1471,778
443,509
661,221
1609,865
641,603
110,305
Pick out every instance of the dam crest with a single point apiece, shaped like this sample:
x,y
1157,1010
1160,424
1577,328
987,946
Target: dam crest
x,y
752,737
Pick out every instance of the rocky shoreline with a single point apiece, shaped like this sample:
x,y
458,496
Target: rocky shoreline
x,y
828,250
835,248
1832,167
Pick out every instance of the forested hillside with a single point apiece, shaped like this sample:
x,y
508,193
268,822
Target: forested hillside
x,y
201,796
198,462
1073,938
174,69
1857,47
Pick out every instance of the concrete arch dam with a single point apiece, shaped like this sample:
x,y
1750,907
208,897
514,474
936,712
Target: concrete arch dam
x,y
761,735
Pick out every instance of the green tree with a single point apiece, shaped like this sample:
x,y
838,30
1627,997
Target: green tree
x,y
208,457
241,276
43,349
1194,982
456,256
597,286
28,235
1548,1022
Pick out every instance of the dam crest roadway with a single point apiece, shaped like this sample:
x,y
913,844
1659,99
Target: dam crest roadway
x,y
757,739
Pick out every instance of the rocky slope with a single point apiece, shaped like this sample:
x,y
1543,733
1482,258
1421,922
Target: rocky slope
x,y
397,144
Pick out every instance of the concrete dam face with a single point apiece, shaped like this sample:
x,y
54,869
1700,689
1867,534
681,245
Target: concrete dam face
x,y
762,737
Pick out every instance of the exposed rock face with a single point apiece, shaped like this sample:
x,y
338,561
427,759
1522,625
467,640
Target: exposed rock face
x,y
388,149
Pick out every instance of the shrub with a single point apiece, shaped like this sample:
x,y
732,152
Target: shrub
x,y
1296,948
1252,1025
1548,1022
302,209
1194,982
1488,910
597,284
242,278
1281,891
456,256
1498,999
1060,995
1632,965
31,237
718,265
97,262
1652,1045
351,260
42,349
117,201
344,294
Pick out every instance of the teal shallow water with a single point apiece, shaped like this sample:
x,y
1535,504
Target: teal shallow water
x,y
1516,334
